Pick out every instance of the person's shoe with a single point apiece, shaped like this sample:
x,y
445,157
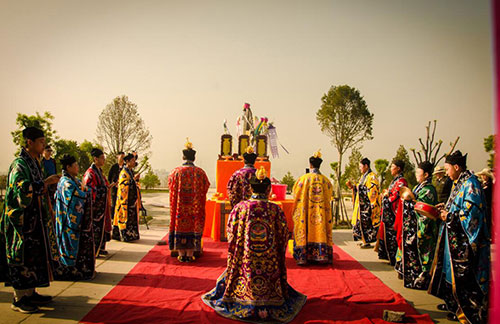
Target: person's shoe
x,y
442,307
452,317
366,246
103,252
181,258
24,306
190,259
38,299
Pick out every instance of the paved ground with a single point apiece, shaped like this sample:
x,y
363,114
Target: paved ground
x,y
72,300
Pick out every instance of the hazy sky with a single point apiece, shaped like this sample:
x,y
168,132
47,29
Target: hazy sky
x,y
189,65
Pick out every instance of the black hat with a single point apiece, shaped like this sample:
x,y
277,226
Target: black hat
x,y
67,160
426,166
456,158
96,152
32,133
249,156
316,159
128,157
399,163
365,161
259,182
189,154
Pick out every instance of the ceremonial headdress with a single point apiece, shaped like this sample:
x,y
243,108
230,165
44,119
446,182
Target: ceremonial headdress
x,y
249,156
32,133
260,182
456,158
67,160
365,161
316,159
188,152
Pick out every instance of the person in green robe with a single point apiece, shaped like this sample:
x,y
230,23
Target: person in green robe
x,y
27,242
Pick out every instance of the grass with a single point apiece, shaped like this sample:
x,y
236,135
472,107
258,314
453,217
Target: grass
x,y
148,218
154,190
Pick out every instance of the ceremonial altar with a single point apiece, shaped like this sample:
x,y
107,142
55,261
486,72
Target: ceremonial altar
x,y
218,207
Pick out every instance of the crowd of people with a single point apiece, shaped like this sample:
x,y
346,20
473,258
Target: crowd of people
x,y
54,227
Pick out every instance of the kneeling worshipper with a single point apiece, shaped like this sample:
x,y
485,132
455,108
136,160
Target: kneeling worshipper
x,y
28,245
312,216
99,188
254,286
188,185
74,230
391,203
461,267
238,186
127,206
419,233
366,214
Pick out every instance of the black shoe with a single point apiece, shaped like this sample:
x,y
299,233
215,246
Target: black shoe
x,y
38,299
366,246
103,252
452,317
442,307
182,258
23,305
190,259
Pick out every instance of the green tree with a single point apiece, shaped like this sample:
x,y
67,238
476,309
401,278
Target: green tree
x,y
345,118
381,166
150,180
409,172
289,180
489,147
80,152
44,122
352,172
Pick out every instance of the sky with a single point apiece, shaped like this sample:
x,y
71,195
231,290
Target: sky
x,y
190,65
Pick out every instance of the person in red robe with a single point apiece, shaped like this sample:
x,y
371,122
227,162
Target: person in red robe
x,y
188,186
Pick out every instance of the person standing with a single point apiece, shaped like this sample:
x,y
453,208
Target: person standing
x,y
74,224
238,186
49,168
461,267
188,185
99,189
487,183
113,175
312,216
419,233
391,203
442,183
254,287
126,219
366,214
26,228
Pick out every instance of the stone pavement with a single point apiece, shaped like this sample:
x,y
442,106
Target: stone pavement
x,y
73,300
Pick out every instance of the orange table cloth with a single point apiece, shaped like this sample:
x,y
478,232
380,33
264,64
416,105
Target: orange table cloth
x,y
214,208
225,170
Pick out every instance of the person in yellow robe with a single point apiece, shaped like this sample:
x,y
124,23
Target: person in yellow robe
x,y
366,214
312,216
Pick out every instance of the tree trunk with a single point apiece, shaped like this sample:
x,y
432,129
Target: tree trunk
x,y
339,190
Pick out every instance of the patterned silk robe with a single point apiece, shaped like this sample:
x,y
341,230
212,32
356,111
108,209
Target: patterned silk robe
x,y
419,236
74,230
312,219
98,186
238,186
254,286
366,214
461,267
126,219
188,186
387,232
28,244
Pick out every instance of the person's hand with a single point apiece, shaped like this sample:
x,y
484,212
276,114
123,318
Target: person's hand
x,y
52,179
443,214
385,192
137,177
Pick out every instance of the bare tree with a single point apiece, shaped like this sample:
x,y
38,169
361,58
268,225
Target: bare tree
x,y
430,150
345,118
121,129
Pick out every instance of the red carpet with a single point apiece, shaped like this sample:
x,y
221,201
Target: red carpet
x,y
161,290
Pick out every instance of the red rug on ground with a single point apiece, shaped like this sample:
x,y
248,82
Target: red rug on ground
x,y
159,289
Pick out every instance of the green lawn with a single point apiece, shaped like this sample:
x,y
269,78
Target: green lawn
x,y
154,190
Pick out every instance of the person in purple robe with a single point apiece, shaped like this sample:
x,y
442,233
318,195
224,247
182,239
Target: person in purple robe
x,y
238,186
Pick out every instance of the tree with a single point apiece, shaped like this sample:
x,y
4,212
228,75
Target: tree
x,y
120,128
489,147
430,151
409,172
289,180
381,166
43,122
150,180
3,184
345,118
351,172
